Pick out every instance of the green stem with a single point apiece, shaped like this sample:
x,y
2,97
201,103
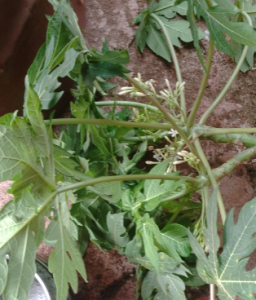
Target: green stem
x,y
232,163
237,139
174,58
196,104
213,131
165,114
108,122
230,81
127,103
143,138
86,183
211,177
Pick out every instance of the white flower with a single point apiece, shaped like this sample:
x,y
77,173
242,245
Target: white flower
x,y
207,37
173,132
157,156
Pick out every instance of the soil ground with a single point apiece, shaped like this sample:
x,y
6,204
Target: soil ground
x,y
110,275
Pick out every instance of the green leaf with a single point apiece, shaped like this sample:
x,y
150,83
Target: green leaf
x,y
175,241
156,42
134,250
228,270
168,8
48,82
250,9
21,266
141,32
65,260
169,287
155,190
64,9
62,37
3,272
104,69
117,231
111,189
114,57
149,232
240,32
215,28
37,65
179,29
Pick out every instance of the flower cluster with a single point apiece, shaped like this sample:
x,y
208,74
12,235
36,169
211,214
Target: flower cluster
x,y
188,157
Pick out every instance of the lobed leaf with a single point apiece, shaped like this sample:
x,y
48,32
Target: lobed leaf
x,y
65,260
117,231
227,270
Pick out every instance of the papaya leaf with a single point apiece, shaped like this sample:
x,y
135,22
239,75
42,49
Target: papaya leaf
x,y
175,241
240,32
21,266
64,9
155,190
168,8
65,260
169,287
114,57
149,232
141,32
215,28
3,272
179,30
227,270
134,251
62,37
48,82
117,231
104,69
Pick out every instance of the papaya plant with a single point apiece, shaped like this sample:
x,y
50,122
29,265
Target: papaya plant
x,y
94,180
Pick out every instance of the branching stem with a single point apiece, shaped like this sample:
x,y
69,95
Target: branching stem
x,y
193,181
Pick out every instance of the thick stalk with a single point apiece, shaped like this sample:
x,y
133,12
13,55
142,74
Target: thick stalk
x,y
212,131
230,81
232,163
108,122
174,59
237,139
165,114
93,181
211,177
196,104
127,103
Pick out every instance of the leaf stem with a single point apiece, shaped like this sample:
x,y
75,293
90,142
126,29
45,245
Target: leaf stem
x,y
211,177
143,138
195,182
230,81
165,114
64,121
197,102
174,58
127,103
